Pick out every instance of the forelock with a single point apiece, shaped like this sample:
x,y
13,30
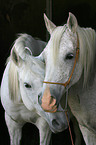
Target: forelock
x,y
55,42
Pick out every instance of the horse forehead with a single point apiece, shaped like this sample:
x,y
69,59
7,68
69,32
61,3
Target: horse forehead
x,y
68,40
32,66
31,72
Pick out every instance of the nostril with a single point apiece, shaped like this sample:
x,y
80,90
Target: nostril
x,y
39,98
55,123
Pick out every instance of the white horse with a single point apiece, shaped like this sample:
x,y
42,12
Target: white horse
x,y
21,83
70,57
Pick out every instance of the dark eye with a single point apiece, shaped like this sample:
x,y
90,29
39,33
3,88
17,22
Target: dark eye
x,y
27,85
69,56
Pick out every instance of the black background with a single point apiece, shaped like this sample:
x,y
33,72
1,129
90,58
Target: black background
x,y
26,16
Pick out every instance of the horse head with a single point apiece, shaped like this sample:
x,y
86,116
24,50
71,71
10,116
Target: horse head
x,y
69,54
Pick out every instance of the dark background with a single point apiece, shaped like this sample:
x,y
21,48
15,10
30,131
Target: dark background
x,y
26,16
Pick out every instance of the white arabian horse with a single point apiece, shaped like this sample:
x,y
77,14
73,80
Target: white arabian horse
x,y
70,57
21,83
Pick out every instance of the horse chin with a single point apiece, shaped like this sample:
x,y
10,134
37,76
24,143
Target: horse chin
x,y
58,126
57,130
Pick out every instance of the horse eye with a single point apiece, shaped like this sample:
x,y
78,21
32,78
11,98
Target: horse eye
x,y
69,56
27,85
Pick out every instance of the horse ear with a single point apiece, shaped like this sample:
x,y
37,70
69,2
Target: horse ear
x,y
28,51
15,57
49,25
72,22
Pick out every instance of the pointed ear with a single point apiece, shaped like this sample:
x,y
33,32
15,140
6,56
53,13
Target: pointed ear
x,y
49,25
15,57
28,51
72,22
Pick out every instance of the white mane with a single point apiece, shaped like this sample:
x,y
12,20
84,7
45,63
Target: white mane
x,y
14,84
55,42
87,45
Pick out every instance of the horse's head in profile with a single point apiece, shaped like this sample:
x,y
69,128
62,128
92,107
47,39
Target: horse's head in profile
x,y
26,75
60,55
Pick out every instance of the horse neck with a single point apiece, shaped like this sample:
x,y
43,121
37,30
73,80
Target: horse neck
x,y
79,88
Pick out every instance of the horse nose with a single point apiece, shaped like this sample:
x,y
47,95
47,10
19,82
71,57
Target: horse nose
x,y
59,122
55,123
40,98
57,126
